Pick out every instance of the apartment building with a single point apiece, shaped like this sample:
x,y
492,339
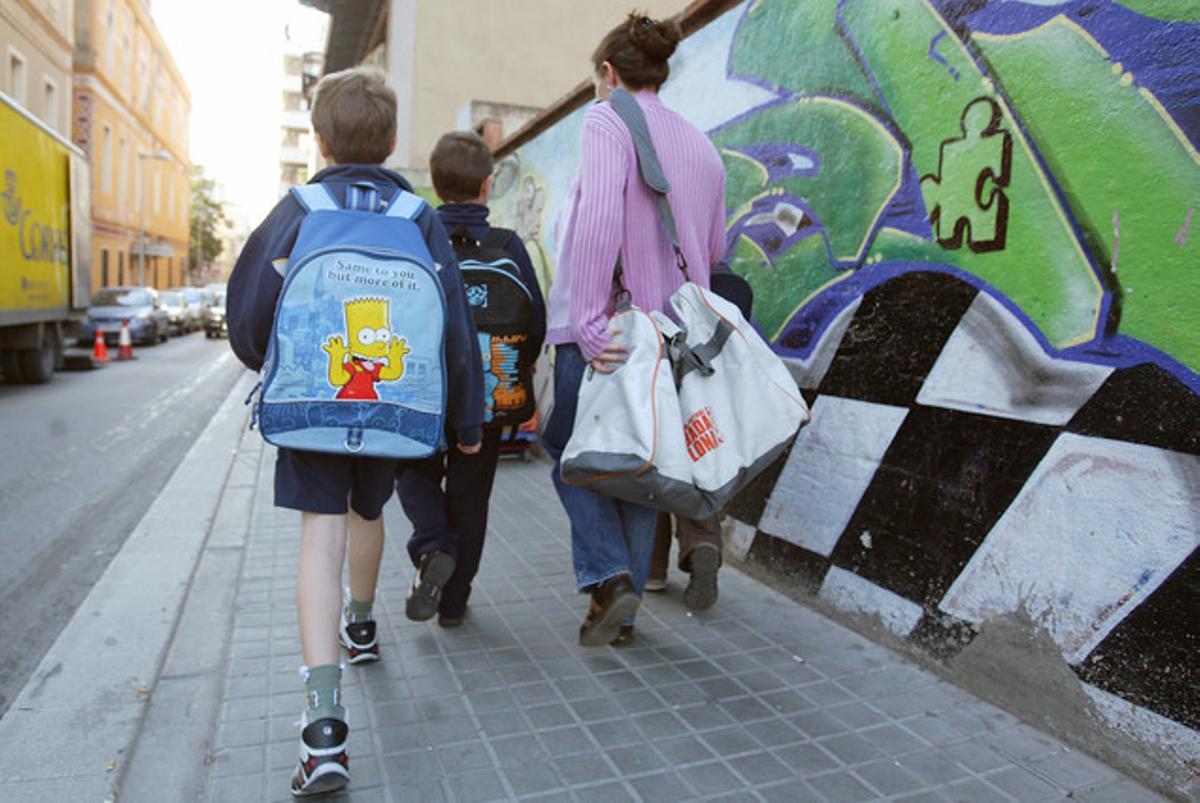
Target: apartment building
x,y
303,54
35,47
131,115
460,64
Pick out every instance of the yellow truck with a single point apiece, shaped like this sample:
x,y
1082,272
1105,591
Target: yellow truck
x,y
45,243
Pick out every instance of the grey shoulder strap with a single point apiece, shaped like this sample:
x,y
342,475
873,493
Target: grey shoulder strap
x,y
627,108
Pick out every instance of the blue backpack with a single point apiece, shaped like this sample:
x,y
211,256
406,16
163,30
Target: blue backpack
x,y
356,360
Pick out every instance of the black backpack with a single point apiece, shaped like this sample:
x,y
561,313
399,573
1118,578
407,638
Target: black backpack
x,y
503,308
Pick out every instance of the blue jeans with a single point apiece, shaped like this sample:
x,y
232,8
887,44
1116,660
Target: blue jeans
x,y
609,537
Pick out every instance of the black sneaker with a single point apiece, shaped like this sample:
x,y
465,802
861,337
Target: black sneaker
x,y
422,602
324,765
359,640
701,591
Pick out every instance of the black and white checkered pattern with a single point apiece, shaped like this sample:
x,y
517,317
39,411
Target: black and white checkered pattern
x,y
954,472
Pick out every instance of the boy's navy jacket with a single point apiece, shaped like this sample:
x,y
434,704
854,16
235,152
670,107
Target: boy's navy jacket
x,y
254,288
474,217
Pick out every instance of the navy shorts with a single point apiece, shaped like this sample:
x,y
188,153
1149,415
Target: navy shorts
x,y
315,482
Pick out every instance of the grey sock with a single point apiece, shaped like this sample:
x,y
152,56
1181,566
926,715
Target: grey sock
x,y
323,685
359,611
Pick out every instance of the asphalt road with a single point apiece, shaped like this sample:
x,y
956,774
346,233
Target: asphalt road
x,y
81,460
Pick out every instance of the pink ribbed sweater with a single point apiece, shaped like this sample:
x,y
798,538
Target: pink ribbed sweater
x,y
611,211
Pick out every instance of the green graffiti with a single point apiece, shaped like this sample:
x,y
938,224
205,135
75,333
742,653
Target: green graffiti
x,y
1128,176
860,166
967,201
772,31
782,287
1042,266
1169,10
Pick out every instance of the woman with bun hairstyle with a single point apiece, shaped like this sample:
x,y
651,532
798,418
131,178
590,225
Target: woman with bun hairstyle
x,y
611,214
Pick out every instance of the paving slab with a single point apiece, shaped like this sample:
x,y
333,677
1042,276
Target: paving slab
x,y
759,698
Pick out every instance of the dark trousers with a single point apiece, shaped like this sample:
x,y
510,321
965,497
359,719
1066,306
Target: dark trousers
x,y
453,520
691,534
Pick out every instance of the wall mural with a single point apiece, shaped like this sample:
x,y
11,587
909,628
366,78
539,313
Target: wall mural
x,y
969,227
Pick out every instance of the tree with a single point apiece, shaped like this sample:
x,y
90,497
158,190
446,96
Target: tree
x,y
207,217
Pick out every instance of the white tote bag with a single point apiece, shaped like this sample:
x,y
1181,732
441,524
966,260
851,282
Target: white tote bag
x,y
739,406
628,438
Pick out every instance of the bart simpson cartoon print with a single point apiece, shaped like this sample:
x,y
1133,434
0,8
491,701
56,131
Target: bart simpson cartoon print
x,y
374,354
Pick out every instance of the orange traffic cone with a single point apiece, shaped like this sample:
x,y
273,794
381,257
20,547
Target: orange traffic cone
x,y
99,348
124,344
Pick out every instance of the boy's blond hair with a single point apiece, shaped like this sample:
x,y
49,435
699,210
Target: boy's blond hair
x,y
354,113
460,163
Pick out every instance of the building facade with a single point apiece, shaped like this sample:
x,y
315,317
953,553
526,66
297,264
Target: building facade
x,y
303,48
131,115
35,45
462,63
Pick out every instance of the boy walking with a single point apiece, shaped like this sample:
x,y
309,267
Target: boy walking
x,y
341,497
449,525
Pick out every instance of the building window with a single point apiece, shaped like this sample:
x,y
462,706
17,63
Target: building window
x,y
110,38
104,267
170,200
126,55
106,170
157,191
120,267
16,76
50,102
122,173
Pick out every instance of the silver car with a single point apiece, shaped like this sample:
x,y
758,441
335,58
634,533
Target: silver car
x,y
176,307
215,324
194,319
139,307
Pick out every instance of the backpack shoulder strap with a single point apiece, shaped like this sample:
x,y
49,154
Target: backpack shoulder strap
x,y
314,197
405,204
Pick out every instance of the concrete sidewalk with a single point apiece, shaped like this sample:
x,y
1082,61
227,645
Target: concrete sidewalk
x,y
177,679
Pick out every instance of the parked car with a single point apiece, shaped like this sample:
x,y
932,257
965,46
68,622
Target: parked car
x,y
177,311
214,317
195,307
148,321
210,291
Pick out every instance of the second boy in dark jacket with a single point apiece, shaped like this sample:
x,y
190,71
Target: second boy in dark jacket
x,y
449,525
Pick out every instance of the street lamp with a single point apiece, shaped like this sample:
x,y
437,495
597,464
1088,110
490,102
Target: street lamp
x,y
161,156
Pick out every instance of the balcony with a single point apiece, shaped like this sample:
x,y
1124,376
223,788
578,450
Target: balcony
x,y
294,155
295,118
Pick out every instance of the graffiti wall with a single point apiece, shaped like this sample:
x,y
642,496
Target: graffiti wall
x,y
971,229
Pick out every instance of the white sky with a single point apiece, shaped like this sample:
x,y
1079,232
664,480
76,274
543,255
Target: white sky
x,y
231,56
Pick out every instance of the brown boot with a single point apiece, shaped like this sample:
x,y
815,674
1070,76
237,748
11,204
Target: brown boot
x,y
612,603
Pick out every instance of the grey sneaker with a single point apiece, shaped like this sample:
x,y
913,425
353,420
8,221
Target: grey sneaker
x,y
701,590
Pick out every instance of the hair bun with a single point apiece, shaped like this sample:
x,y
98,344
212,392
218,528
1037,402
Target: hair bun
x,y
657,40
